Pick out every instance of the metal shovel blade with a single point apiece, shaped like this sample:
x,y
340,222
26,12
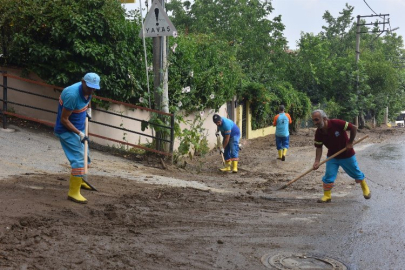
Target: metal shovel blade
x,y
84,178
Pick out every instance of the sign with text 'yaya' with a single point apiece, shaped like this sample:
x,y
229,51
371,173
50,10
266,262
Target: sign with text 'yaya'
x,y
157,23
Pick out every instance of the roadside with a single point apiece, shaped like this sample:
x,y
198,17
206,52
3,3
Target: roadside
x,y
147,217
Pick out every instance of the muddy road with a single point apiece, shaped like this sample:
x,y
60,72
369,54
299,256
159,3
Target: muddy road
x,y
190,216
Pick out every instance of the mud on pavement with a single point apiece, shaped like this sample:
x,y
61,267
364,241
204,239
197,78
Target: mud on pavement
x,y
146,217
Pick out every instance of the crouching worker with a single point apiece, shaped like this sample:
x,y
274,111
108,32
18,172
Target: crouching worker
x,y
332,134
70,127
230,143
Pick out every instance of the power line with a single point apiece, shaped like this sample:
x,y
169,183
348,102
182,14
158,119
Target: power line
x,y
379,15
371,8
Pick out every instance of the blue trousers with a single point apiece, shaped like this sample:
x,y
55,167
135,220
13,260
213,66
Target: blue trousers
x,y
74,151
349,165
282,142
231,151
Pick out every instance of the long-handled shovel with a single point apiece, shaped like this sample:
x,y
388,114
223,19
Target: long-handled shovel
x,y
85,155
223,160
218,144
326,160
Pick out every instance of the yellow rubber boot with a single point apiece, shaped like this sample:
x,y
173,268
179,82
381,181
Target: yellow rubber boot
x,y
366,190
227,167
74,190
284,154
280,154
234,166
327,197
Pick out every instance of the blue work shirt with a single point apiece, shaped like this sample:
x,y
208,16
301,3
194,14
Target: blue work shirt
x,y
228,127
72,99
281,121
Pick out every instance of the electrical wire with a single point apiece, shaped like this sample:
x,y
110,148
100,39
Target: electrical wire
x,y
378,15
371,8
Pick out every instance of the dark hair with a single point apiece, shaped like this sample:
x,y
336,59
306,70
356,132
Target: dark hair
x,y
216,118
281,108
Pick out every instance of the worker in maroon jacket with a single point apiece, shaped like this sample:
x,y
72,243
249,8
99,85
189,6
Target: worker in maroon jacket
x,y
332,134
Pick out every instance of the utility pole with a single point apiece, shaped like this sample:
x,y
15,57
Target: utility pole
x,y
157,68
158,25
160,69
158,75
356,120
358,32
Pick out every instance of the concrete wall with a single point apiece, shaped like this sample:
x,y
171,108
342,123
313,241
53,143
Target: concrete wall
x,y
251,134
121,122
30,100
208,125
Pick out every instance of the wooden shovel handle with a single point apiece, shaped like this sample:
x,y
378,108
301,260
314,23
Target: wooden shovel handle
x,y
86,132
326,160
223,160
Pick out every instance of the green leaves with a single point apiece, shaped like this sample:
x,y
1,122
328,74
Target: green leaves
x,y
202,72
326,69
62,40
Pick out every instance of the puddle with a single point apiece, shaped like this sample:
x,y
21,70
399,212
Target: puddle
x,y
301,261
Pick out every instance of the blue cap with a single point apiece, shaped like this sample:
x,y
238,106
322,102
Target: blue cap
x,y
92,80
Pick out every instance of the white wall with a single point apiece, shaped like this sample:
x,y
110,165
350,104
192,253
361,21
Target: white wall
x,y
26,99
121,122
208,125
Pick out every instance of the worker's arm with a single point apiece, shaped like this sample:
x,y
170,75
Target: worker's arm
x,y
353,133
318,155
226,140
275,120
66,122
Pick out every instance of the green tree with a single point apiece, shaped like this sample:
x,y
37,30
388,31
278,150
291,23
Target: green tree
x,y
206,65
62,40
243,24
257,41
324,67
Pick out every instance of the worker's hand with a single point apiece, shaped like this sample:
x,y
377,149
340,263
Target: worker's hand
x,y
88,113
217,134
221,151
316,165
349,145
83,137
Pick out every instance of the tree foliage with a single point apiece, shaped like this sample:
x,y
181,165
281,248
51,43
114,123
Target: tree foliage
x,y
62,40
257,43
203,73
325,68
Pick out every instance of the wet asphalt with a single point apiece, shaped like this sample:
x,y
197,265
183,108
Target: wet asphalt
x,y
377,240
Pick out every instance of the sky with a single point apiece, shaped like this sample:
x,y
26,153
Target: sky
x,y
306,15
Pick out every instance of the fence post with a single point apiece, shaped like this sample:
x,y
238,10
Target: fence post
x,y
4,99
